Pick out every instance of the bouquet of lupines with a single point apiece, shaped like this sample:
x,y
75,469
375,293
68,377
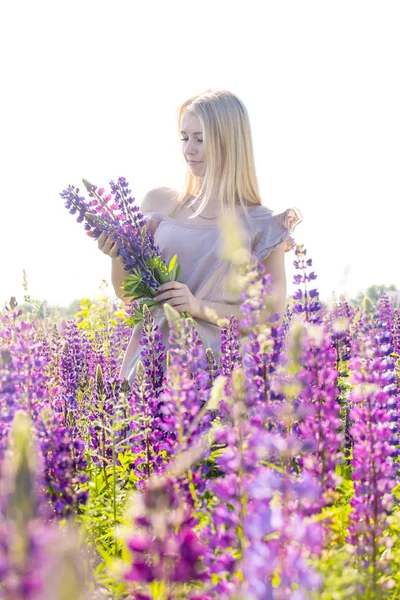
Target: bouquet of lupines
x,y
115,213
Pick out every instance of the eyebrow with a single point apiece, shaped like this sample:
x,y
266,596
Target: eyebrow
x,y
194,133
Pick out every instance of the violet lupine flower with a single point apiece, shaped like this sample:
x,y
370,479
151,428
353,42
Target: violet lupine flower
x,y
396,332
307,300
153,351
340,322
187,349
173,420
106,424
64,463
239,535
236,460
230,347
164,547
373,469
384,346
145,426
183,413
318,399
32,552
262,351
22,373
144,404
280,539
73,368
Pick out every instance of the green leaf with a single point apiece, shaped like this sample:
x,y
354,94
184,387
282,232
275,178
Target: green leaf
x,y
172,263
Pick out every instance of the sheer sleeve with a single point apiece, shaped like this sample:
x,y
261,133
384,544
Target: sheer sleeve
x,y
272,230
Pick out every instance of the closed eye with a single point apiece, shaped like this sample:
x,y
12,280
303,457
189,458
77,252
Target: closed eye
x,y
185,140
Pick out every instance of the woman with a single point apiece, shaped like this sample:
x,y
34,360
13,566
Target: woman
x,y
217,146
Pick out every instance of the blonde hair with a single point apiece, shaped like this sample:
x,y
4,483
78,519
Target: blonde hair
x,y
230,173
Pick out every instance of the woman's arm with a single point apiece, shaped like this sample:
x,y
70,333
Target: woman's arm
x,y
108,246
118,276
275,265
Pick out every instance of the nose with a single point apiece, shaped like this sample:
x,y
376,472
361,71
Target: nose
x,y
189,149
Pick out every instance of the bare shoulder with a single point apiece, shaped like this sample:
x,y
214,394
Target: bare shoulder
x,y
161,199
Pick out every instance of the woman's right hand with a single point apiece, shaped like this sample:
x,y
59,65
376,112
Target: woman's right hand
x,y
108,245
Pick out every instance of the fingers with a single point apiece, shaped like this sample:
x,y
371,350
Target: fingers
x,y
101,239
114,250
107,245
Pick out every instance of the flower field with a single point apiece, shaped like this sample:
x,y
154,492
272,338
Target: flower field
x,y
270,473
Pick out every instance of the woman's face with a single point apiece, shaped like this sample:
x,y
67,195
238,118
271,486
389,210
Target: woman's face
x,y
192,143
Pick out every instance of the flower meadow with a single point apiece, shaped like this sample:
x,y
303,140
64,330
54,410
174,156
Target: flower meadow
x,y
267,473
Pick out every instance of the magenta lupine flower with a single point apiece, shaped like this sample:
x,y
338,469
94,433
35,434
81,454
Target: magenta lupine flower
x,y
307,300
164,547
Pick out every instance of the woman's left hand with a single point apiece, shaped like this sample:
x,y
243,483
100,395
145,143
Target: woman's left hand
x,y
179,296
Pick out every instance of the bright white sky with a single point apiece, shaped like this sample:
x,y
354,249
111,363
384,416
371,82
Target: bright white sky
x,y
91,89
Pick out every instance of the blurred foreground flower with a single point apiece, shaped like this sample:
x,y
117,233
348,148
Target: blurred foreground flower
x,y
37,559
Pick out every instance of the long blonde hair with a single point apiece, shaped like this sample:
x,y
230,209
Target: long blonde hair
x,y
230,172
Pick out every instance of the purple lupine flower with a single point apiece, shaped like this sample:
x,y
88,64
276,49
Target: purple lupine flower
x,y
64,463
183,336
396,331
32,552
280,539
230,347
307,300
373,470
153,351
145,426
22,373
235,461
262,352
321,424
340,322
246,512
